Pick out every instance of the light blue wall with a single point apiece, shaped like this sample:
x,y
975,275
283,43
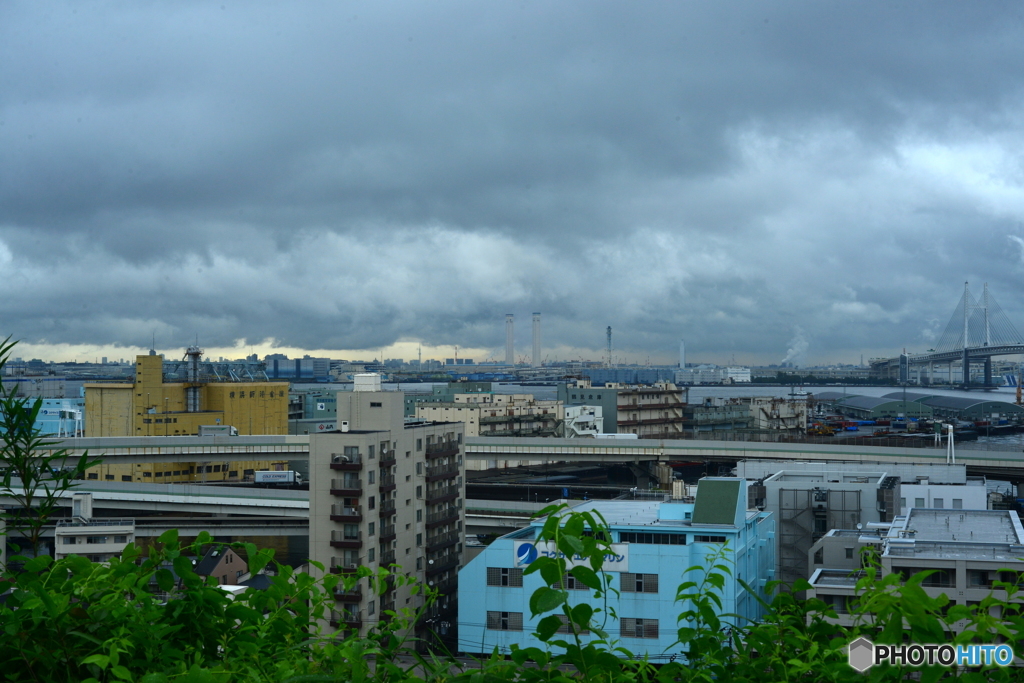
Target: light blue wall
x,y
751,549
48,419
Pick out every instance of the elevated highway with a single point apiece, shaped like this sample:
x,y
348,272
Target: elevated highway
x,y
1005,464
195,499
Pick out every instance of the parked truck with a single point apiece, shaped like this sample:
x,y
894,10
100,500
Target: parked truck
x,y
217,430
275,477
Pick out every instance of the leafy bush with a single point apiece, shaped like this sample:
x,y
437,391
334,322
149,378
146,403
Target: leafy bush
x,y
152,619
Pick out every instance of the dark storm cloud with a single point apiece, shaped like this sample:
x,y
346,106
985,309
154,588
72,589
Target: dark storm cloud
x,y
347,175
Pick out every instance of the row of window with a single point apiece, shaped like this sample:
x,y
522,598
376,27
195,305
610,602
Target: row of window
x,y
958,503
252,394
512,577
652,539
628,627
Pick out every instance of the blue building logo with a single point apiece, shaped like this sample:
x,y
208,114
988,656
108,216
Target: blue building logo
x,y
526,553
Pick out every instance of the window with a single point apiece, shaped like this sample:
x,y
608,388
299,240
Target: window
x,y
233,473
419,540
110,477
505,621
147,474
120,539
903,502
419,468
419,563
638,583
819,556
375,404
958,503
639,628
369,450
419,515
370,608
937,503
709,539
564,628
93,475
419,445
919,502
419,491
372,503
505,576
371,554
370,528
571,583
69,540
849,553
655,539
352,452
369,477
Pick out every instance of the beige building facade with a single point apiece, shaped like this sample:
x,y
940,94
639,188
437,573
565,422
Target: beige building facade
x,y
150,407
388,493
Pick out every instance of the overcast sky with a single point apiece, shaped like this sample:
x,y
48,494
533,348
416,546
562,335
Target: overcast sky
x,y
813,180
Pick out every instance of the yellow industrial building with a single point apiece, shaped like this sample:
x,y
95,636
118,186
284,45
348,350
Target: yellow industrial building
x,y
151,407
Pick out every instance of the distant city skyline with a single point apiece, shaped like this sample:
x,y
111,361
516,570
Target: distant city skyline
x,y
794,180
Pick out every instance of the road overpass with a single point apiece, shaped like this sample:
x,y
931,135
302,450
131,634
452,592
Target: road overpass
x,y
1005,464
193,499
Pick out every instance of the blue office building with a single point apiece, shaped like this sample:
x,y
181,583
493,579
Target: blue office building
x,y
654,543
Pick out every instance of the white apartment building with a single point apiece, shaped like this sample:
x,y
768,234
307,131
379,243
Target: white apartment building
x,y
384,492
967,549
97,539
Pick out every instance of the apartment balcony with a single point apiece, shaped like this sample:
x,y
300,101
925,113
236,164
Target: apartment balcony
x,y
447,586
387,605
387,533
438,472
441,541
339,539
442,449
387,458
346,513
352,619
347,463
353,595
347,487
347,564
442,563
442,494
651,421
387,557
446,516
387,483
387,508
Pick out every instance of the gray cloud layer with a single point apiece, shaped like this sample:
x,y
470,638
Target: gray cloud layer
x,y
343,175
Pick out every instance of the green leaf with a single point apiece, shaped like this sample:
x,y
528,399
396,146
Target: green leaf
x,y
587,576
547,627
102,661
164,579
121,672
169,536
545,599
155,678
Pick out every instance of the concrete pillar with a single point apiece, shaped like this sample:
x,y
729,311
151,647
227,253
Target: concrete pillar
x,y
988,371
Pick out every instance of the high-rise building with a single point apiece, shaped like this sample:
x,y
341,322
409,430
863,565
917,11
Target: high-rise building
x,y
384,492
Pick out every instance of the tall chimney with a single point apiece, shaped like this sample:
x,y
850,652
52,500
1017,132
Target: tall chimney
x,y
609,345
682,354
536,340
510,358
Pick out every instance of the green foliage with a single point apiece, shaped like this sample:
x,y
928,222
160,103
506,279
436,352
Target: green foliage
x,y
150,618
32,474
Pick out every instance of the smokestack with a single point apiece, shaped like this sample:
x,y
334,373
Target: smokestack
x,y
536,340
510,358
682,354
609,345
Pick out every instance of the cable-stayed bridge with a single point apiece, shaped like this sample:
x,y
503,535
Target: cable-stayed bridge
x,y
977,331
